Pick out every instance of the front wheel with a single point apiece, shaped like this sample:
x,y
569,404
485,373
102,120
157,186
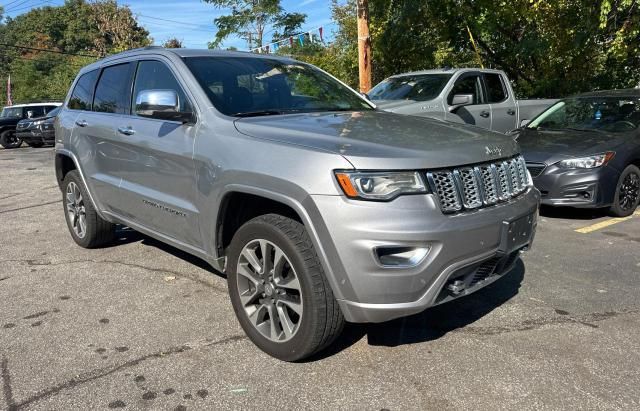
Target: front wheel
x,y
279,291
627,193
8,139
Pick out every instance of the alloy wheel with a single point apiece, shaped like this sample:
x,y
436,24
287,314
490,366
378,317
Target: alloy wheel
x,y
269,290
629,191
76,210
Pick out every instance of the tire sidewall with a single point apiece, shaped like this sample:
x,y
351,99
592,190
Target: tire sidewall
x,y
73,176
297,346
4,135
615,208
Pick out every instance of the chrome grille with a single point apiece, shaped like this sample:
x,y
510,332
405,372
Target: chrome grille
x,y
445,188
484,185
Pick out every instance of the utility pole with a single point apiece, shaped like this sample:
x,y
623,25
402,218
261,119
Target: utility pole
x,y
364,45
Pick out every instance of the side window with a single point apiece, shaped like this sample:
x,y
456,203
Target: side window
x,y
495,88
155,75
114,90
83,92
467,85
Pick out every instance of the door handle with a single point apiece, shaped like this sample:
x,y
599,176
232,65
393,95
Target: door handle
x,y
511,112
81,123
127,131
484,113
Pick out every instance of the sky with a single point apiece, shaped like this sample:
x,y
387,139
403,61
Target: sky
x,y
190,20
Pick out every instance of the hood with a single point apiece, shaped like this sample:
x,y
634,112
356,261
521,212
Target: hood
x,y
381,140
550,146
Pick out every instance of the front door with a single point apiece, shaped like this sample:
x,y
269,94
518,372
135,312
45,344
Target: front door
x,y
478,113
157,171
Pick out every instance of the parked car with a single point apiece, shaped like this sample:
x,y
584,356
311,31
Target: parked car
x,y
11,115
480,97
39,131
317,207
584,151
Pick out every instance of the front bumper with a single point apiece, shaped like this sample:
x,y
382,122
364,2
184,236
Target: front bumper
x,y
583,188
37,136
457,244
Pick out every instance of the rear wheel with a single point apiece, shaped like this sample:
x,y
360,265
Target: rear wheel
x,y
279,291
87,228
8,139
627,194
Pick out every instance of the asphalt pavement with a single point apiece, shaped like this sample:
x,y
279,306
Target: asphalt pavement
x,y
141,325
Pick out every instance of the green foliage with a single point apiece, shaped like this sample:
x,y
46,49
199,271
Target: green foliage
x,y
547,48
173,43
249,18
80,27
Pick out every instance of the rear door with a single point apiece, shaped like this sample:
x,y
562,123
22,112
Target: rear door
x,y
155,161
96,132
503,105
479,112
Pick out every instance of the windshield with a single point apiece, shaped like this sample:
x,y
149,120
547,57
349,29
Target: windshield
x,y
11,112
245,86
419,87
615,114
54,112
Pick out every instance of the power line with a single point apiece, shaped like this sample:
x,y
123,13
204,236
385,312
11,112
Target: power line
x,y
10,3
16,5
48,51
174,21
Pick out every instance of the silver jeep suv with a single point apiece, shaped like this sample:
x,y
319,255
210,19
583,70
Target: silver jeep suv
x,y
318,207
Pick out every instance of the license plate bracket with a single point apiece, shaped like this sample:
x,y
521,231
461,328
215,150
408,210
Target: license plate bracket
x,y
517,234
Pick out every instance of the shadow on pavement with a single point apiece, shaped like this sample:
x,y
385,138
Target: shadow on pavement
x,y
434,322
126,235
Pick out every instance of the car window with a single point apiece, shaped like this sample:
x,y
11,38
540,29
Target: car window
x,y
467,85
247,86
612,114
155,75
11,112
113,93
496,91
421,87
83,91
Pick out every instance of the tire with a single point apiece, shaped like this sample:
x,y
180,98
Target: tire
x,y
95,231
8,139
320,320
627,194
35,144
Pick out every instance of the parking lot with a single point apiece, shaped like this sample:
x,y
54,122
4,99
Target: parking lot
x,y
143,325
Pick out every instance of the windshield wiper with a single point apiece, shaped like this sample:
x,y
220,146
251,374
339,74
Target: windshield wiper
x,y
259,113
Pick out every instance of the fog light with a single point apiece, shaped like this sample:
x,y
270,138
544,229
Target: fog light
x,y
400,257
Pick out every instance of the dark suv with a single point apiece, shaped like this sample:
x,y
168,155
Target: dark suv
x,y
37,132
11,115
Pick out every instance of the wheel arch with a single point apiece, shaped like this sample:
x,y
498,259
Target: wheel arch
x,y
277,203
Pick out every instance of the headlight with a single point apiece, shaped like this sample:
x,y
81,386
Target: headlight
x,y
593,161
38,123
380,185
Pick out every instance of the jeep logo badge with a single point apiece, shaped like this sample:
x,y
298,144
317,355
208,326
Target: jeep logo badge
x,y
493,151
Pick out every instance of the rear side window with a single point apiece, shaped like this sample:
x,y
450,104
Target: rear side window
x,y
154,75
495,88
83,91
113,93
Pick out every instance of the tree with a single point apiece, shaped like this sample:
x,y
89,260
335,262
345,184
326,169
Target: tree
x,y
173,43
76,33
249,19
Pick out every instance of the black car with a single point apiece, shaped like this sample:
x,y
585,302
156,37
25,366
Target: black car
x,y
11,115
37,132
584,151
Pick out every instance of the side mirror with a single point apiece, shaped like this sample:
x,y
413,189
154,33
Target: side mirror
x,y
460,100
161,104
